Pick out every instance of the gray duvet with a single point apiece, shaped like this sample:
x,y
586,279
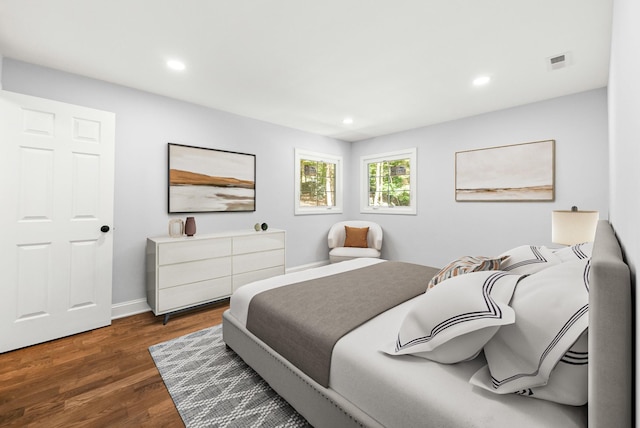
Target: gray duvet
x,y
303,321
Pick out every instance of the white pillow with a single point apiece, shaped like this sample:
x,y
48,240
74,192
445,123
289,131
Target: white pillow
x,y
574,252
453,321
568,381
551,313
528,259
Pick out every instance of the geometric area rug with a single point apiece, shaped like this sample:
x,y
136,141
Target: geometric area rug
x,y
212,387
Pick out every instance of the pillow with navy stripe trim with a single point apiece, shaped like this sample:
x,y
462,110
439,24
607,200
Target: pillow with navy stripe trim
x,y
551,310
452,322
528,259
574,252
568,382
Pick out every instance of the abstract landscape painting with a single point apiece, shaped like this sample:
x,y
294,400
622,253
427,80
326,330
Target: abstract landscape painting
x,y
519,172
207,180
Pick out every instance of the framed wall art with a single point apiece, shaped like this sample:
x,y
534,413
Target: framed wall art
x,y
210,180
519,172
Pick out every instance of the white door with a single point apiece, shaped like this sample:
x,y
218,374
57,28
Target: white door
x,y
56,193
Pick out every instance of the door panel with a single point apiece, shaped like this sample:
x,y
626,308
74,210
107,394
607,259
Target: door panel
x,y
56,178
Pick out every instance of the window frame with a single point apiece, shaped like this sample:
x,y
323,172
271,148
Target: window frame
x,y
301,154
365,160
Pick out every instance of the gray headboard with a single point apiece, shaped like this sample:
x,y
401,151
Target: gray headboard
x,y
610,334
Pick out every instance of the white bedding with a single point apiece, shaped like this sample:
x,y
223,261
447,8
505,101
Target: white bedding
x,y
406,391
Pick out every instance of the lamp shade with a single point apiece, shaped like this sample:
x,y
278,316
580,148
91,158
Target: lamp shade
x,y
573,227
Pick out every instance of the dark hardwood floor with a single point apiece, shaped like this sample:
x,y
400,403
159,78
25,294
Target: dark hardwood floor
x,y
101,378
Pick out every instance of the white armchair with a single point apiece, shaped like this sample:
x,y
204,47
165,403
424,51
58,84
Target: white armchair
x,y
336,240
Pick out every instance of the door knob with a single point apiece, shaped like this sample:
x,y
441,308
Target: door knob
x,y
104,228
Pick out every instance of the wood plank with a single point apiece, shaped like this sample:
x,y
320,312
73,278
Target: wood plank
x,y
104,377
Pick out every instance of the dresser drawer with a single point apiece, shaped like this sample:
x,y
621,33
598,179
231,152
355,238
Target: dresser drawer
x,y
189,271
261,241
257,261
178,252
245,278
194,294
185,273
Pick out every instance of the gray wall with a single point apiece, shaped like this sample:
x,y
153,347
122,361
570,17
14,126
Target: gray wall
x,y
445,229
624,105
145,123
442,229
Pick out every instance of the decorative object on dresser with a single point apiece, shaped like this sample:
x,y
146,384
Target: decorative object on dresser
x,y
258,227
183,273
190,226
176,228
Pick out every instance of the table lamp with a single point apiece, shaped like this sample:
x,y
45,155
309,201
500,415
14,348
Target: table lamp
x,y
573,227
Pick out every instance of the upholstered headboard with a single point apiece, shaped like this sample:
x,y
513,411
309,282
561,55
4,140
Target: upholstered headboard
x,y
610,334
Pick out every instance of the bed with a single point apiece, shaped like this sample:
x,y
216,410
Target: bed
x,y
382,373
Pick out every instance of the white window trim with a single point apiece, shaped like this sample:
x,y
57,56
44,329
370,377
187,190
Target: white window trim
x,y
321,157
411,154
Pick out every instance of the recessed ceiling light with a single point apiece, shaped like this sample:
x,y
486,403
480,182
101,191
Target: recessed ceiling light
x,y
174,64
347,120
481,80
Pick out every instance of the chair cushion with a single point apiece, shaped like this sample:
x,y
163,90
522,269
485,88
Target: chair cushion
x,y
339,254
356,237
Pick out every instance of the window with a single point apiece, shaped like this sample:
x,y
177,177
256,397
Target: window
x,y
389,182
318,183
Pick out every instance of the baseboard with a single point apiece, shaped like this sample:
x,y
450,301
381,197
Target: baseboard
x,y
126,309
138,306
307,266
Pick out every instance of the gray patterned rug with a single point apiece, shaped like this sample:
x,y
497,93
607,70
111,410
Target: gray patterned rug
x,y
212,387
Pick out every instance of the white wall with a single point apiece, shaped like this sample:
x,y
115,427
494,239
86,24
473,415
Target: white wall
x,y
624,123
444,229
624,108
145,123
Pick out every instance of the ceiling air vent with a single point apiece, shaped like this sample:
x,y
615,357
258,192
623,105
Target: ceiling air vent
x,y
557,62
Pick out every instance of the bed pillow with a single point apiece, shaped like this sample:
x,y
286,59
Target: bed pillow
x,y
452,322
528,259
464,265
356,237
574,252
551,310
568,381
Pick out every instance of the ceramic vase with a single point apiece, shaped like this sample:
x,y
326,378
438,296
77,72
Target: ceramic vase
x,y
190,226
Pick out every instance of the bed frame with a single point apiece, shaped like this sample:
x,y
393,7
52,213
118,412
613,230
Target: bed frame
x,y
610,353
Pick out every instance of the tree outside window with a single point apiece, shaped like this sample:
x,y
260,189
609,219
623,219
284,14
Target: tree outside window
x,y
390,182
318,183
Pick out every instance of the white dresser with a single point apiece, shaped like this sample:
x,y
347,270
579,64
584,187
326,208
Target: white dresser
x,y
186,272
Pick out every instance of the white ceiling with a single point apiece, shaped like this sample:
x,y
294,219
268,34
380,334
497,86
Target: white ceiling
x,y
391,65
